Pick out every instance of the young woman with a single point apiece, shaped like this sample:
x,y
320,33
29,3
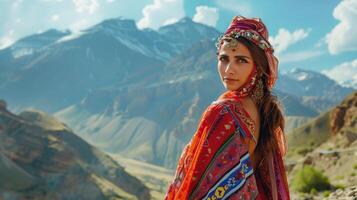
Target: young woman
x,y
237,150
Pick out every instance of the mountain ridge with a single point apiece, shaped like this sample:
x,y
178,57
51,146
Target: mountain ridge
x,y
40,162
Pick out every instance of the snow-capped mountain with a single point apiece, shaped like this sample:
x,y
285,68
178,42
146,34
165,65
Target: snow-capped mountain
x,y
30,44
68,66
311,83
18,55
125,31
315,89
186,32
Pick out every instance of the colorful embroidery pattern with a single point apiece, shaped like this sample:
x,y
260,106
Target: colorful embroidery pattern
x,y
232,181
227,156
238,109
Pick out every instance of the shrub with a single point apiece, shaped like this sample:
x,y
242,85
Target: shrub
x,y
313,191
355,166
339,186
304,150
309,178
326,193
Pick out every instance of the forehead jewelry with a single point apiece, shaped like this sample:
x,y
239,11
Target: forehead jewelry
x,y
231,43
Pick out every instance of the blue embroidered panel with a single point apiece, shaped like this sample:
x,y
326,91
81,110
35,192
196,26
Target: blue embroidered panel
x,y
232,181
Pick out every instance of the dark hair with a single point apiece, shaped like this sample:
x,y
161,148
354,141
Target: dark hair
x,y
270,109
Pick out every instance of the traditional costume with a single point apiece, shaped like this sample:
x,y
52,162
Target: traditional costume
x,y
216,163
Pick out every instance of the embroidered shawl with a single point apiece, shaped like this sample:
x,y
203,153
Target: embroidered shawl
x,y
215,164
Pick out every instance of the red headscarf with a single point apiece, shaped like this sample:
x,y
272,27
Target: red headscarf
x,y
254,30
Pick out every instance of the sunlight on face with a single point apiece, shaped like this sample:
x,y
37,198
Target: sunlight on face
x,y
234,64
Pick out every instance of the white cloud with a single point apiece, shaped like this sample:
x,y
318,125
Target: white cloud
x,y
161,12
79,25
299,56
343,35
27,17
6,41
55,17
243,7
86,6
345,73
16,3
206,15
51,1
284,39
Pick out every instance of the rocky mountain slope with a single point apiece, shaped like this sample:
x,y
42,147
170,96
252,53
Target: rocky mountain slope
x,y
329,143
41,158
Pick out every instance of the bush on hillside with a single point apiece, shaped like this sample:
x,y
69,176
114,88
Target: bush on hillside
x,y
309,179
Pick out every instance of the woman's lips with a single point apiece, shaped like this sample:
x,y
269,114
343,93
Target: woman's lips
x,y
229,79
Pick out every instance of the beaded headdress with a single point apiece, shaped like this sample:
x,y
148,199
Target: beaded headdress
x,y
255,31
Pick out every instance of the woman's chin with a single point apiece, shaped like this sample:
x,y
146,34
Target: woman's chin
x,y
230,88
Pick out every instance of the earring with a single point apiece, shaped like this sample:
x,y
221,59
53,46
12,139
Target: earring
x,y
258,92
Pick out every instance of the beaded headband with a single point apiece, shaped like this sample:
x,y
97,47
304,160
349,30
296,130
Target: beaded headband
x,y
248,34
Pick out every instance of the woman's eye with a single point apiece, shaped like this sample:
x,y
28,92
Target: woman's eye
x,y
242,60
222,58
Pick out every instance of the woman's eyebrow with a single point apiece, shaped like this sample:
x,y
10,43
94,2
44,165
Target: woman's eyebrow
x,y
236,56
242,56
223,55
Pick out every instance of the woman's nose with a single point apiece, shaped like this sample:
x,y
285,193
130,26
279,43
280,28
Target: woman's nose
x,y
229,69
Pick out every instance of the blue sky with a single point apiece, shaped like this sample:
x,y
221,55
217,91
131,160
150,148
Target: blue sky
x,y
318,35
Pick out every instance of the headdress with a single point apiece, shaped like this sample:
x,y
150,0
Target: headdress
x,y
255,31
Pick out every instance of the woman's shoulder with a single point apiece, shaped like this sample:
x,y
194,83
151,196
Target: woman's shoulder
x,y
227,104
234,108
218,107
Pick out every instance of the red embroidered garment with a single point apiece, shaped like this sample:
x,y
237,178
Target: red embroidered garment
x,y
216,164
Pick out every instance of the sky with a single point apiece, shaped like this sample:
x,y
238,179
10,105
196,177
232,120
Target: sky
x,y
318,35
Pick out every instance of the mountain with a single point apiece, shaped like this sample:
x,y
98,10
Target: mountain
x,y
92,60
328,143
186,32
112,53
61,68
314,89
31,44
41,158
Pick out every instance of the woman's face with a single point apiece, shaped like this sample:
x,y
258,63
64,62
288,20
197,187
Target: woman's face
x,y
234,64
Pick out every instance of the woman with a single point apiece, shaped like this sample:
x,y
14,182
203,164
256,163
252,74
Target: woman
x,y
237,150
